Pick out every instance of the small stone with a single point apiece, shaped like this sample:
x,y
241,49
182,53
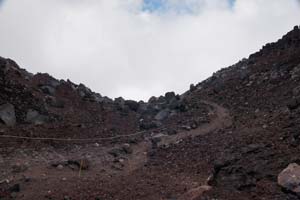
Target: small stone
x,y
194,126
15,188
60,167
126,148
188,128
67,198
27,179
265,126
82,164
115,152
4,181
14,195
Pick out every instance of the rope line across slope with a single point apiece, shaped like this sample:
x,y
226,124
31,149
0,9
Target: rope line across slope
x,y
71,139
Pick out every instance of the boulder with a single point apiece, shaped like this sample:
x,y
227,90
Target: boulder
x,y
293,103
192,87
289,178
147,125
296,91
295,73
54,83
127,148
54,102
120,102
7,114
35,117
82,164
156,139
174,103
115,152
152,100
48,90
143,107
97,98
15,188
133,105
169,96
84,91
162,115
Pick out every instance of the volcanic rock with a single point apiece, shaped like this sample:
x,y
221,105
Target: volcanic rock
x,y
83,91
162,115
54,102
192,87
133,105
289,178
48,90
7,114
169,96
35,117
127,148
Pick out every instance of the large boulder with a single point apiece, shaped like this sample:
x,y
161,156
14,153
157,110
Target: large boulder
x,y
192,88
48,90
169,96
54,102
7,114
174,103
147,125
289,178
96,97
83,91
162,115
152,100
133,105
120,102
35,117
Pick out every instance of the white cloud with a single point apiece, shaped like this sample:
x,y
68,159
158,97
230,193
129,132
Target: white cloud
x,y
117,49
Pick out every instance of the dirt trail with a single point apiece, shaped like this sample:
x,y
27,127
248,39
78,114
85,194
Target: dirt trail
x,y
220,119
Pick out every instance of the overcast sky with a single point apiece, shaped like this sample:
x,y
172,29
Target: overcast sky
x,y
135,48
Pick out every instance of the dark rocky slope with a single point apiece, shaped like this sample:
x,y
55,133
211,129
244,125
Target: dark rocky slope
x,y
240,160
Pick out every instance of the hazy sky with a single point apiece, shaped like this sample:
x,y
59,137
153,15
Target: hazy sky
x,y
136,48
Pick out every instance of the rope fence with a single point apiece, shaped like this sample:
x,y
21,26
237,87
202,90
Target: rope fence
x,y
71,139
